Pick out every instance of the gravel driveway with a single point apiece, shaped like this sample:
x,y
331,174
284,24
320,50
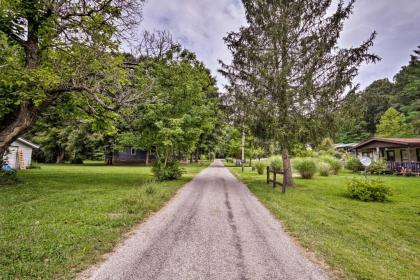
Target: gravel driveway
x,y
213,229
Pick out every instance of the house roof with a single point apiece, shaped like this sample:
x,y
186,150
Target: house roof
x,y
26,142
399,141
344,145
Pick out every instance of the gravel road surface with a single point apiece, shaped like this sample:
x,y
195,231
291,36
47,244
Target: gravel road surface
x,y
213,229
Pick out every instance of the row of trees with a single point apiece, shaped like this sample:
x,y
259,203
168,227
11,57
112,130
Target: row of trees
x,y
65,83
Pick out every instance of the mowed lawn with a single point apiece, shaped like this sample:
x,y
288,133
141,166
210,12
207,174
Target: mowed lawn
x,y
62,218
360,240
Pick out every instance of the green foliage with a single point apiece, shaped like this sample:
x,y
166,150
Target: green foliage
x,y
354,164
212,156
276,162
260,166
324,168
377,167
327,145
306,167
366,189
333,162
230,160
300,150
166,172
180,114
393,124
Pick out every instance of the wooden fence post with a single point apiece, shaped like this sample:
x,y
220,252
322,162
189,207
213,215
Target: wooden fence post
x,y
274,179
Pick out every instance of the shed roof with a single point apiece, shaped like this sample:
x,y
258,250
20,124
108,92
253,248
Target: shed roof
x,y
27,142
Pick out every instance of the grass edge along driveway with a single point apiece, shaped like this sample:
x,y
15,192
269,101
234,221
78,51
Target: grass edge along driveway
x,y
360,240
62,218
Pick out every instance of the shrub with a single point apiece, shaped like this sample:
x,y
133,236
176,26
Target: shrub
x,y
260,165
365,189
377,167
229,160
170,171
324,169
354,164
276,162
306,167
334,163
203,157
8,177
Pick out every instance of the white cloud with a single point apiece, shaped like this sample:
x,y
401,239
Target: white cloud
x,y
200,26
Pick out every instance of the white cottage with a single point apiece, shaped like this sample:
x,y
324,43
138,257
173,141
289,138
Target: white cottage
x,y
19,154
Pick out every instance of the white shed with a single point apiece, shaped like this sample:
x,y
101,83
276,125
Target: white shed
x,y
19,154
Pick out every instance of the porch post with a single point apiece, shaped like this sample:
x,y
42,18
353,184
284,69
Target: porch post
x,y
377,153
409,158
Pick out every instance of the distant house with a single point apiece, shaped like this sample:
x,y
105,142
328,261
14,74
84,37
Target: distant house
x,y
344,147
398,152
19,154
132,155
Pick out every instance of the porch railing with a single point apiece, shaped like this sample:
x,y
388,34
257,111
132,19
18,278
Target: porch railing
x,y
413,166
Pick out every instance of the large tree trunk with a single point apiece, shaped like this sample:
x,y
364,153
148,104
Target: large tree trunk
x,y
25,117
287,169
60,156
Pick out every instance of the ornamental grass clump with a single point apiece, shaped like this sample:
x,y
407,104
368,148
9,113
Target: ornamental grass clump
x,y
366,189
333,162
305,166
276,163
260,165
324,169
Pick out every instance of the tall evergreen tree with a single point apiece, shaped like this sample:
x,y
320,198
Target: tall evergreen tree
x,y
288,56
407,87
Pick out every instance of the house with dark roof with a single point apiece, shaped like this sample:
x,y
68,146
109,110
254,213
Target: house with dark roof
x,y
398,152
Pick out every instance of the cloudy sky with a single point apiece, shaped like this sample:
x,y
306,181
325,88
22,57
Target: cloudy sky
x,y
201,24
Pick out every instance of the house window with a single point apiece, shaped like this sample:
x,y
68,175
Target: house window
x,y
382,153
390,155
418,154
133,151
404,155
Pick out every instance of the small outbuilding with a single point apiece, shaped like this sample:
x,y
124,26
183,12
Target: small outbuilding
x,y
19,154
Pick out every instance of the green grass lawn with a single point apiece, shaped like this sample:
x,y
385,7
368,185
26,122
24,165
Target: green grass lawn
x,y
62,218
360,240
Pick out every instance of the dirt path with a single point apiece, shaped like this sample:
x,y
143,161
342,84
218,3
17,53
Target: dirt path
x,y
214,229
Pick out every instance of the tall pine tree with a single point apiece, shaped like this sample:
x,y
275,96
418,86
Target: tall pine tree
x,y
288,56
